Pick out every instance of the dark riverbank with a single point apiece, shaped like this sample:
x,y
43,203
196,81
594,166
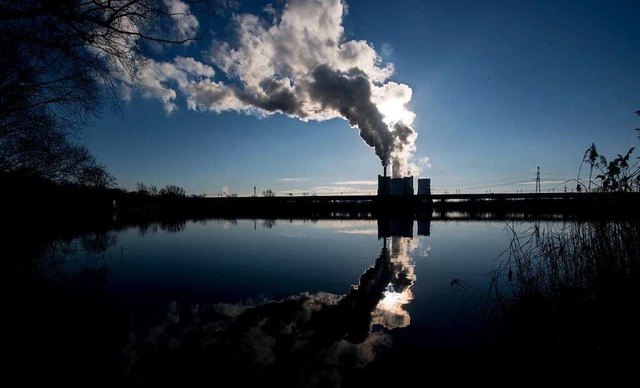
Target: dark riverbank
x,y
25,199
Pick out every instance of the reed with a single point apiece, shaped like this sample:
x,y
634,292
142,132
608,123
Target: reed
x,y
579,258
571,293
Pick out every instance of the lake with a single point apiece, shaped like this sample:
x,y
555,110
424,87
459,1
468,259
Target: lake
x,y
297,302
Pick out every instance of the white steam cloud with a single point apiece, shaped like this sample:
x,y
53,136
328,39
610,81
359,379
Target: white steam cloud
x,y
296,62
160,79
186,24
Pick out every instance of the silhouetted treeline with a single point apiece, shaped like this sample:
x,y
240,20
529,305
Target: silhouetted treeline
x,y
37,198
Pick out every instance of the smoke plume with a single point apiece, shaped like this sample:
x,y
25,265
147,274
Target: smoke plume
x,y
295,61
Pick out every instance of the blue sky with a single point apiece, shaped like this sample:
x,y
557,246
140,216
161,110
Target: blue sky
x,y
498,88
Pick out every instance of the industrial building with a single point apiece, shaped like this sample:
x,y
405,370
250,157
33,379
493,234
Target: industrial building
x,y
424,186
388,186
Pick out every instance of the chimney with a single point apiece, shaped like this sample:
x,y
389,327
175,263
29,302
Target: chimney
x,y
385,171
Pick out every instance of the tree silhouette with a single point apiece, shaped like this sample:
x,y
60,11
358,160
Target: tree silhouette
x,y
142,189
59,60
38,146
60,52
172,191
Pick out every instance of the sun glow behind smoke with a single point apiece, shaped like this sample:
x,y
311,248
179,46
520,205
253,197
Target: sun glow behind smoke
x,y
392,104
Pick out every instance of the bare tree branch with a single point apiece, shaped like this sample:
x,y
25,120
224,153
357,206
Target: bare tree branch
x,y
58,62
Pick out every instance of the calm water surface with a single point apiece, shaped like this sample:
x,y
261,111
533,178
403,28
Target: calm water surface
x,y
304,303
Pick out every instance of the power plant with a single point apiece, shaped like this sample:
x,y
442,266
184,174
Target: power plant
x,y
388,186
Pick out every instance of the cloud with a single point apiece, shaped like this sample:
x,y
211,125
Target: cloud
x,y
340,190
160,80
297,62
328,190
361,183
288,180
368,232
418,164
186,25
363,227
386,49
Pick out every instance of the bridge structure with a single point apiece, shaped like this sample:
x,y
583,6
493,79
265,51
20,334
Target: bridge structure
x,y
471,202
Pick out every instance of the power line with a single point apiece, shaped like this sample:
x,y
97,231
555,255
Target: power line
x,y
484,186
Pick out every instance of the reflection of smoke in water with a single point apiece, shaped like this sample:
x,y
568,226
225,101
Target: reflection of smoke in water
x,y
325,335
390,311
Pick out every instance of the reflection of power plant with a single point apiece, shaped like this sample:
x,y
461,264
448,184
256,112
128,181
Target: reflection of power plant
x,y
388,186
398,243
360,303
390,311
383,289
402,227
